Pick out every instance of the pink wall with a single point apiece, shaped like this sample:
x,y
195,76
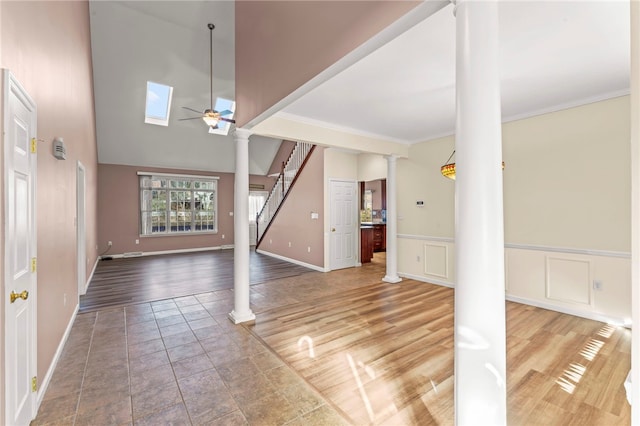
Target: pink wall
x,y
285,150
119,201
47,47
281,45
293,224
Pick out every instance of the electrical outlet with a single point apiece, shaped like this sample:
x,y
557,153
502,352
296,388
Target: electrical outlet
x,y
308,249
223,236
137,241
289,243
597,285
110,243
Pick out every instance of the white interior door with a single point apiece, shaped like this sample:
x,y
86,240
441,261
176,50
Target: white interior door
x,y
20,280
81,242
344,224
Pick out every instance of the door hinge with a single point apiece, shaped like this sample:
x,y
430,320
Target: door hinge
x,y
34,146
34,384
34,264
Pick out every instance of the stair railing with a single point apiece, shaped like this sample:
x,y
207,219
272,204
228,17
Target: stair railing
x,y
288,174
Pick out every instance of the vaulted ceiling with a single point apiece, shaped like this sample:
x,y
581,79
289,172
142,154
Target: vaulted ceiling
x,y
554,54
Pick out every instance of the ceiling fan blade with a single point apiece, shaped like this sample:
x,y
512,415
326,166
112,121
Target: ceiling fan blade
x,y
228,120
191,109
191,118
225,112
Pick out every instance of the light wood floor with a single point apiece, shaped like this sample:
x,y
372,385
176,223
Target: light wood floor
x,y
383,353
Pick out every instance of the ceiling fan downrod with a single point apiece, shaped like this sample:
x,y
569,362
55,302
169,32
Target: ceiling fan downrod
x,y
211,27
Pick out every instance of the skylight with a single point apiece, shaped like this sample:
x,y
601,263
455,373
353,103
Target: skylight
x,y
221,106
158,104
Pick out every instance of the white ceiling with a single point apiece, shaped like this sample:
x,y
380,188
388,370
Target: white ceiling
x,y
555,54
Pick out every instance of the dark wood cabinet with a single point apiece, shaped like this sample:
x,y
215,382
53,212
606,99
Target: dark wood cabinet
x,y
379,238
366,244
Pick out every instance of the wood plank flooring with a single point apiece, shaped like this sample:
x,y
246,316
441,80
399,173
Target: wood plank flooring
x,y
127,281
383,354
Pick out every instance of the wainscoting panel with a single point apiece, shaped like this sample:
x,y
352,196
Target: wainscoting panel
x,y
553,278
568,280
436,260
427,259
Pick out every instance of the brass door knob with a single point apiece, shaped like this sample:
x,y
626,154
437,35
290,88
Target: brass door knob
x,y
333,229
15,296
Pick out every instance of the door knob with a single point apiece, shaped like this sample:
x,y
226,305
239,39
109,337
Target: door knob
x,y
14,296
333,229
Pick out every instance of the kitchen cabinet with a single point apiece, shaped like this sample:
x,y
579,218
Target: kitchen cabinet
x,y
366,244
379,237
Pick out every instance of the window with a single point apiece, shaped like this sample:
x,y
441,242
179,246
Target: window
x,y
256,202
367,206
158,104
177,204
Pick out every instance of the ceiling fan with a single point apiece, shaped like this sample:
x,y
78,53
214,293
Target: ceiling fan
x,y
210,115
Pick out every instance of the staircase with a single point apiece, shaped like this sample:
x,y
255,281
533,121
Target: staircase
x,y
286,179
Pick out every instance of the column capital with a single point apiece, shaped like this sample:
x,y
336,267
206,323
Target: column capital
x,y
242,133
392,157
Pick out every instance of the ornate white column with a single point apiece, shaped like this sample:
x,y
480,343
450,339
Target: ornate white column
x,y
635,212
480,335
392,223
241,310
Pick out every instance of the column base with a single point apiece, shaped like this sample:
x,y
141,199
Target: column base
x,y
245,317
392,280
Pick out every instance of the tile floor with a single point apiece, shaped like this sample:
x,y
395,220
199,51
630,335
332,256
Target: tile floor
x,y
177,361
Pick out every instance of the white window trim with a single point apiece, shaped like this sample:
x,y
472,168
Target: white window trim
x,y
176,176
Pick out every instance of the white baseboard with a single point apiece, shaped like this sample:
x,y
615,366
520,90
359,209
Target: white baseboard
x,y
93,271
42,385
575,312
297,262
427,280
154,253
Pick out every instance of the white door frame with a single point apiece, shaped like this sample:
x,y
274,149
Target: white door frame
x,y
81,228
12,89
356,239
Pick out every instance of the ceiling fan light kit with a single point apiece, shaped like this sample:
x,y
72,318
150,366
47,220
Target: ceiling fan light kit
x,y
210,116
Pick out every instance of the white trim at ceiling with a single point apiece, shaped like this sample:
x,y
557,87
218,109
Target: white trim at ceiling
x,y
142,173
568,105
516,117
335,127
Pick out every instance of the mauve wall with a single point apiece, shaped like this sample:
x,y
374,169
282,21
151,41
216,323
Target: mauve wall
x,y
47,47
293,234
119,203
285,150
280,45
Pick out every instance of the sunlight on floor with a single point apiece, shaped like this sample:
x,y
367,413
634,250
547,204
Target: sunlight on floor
x,y
574,373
